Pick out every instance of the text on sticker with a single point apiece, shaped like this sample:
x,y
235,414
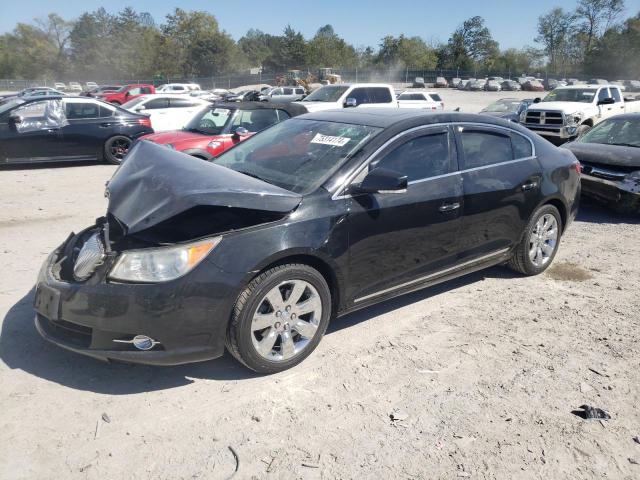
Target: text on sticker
x,y
329,140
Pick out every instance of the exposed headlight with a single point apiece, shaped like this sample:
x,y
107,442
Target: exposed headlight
x,y
214,144
574,118
151,265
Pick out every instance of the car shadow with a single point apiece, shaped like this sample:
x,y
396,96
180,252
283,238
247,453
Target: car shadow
x,y
21,347
43,165
593,212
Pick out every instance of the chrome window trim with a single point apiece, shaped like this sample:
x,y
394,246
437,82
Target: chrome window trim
x,y
435,274
338,195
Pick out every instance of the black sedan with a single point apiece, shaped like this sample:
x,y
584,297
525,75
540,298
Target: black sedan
x,y
610,158
309,219
61,129
508,108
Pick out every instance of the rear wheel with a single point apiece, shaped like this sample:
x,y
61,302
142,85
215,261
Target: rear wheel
x,y
116,148
540,242
279,318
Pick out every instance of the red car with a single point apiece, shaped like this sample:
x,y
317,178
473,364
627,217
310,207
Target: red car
x,y
220,126
126,93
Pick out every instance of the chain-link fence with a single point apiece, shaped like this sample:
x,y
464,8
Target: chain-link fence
x,y
394,76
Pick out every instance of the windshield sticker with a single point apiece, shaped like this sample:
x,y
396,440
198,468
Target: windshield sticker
x,y
221,111
329,140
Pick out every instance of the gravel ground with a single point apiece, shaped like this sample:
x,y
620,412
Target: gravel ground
x,y
475,378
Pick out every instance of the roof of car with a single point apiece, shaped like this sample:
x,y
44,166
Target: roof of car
x,y
388,117
587,85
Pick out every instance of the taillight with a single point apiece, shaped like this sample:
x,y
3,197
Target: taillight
x,y
145,122
578,167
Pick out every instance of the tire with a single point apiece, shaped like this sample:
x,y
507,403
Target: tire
x,y
522,260
582,129
264,351
113,149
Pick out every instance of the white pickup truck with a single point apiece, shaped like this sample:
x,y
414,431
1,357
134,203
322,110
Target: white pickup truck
x,y
343,95
568,112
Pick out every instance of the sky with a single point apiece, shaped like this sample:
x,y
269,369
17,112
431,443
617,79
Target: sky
x,y
360,22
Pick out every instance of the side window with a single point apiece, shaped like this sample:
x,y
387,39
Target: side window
x,y
483,148
615,93
521,146
181,103
40,116
145,90
157,103
299,91
379,95
255,120
276,92
79,110
282,115
604,93
360,94
288,91
134,91
31,110
105,112
421,157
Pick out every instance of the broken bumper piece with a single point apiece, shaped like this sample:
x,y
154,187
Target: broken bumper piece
x,y
624,194
185,319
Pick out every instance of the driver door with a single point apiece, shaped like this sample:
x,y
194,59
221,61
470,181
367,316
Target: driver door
x,y
396,238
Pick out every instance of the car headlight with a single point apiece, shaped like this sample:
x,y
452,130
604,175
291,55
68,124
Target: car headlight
x,y
152,265
574,119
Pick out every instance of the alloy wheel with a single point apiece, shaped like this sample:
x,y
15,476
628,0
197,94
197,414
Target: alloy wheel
x,y
543,240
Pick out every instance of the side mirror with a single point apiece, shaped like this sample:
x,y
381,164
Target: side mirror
x,y
606,101
537,100
127,94
381,180
350,102
240,132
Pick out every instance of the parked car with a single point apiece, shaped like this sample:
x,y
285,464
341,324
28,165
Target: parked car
x,y
632,85
178,88
597,81
90,85
62,129
550,84
508,108
455,82
569,112
60,86
244,96
167,111
220,126
283,94
424,100
75,87
259,249
207,95
511,85
418,82
126,93
610,160
441,82
533,86
102,89
462,85
348,95
492,86
31,92
475,85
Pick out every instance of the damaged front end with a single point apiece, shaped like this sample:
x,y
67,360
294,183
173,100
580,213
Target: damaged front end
x,y
135,286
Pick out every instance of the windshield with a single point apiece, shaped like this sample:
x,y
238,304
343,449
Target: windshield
x,y
14,102
503,106
615,131
328,93
584,95
298,155
210,121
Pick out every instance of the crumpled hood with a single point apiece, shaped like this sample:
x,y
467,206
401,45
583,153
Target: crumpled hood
x,y
614,155
566,107
155,183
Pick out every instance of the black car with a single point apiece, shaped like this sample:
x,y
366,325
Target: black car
x,y
508,108
309,219
610,157
97,91
54,128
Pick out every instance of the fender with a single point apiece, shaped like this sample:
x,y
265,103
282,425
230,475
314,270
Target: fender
x,y
199,153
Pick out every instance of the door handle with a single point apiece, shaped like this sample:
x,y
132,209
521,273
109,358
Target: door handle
x,y
529,186
448,207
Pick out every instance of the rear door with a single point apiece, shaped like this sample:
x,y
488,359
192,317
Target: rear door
x,y
501,181
89,123
399,237
159,112
618,107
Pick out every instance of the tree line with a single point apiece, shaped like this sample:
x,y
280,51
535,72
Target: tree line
x,y
592,39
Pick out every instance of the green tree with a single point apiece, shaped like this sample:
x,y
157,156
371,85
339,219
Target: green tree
x,y
471,46
327,49
595,17
256,46
554,33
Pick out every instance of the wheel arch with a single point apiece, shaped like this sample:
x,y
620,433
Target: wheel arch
x,y
560,206
588,122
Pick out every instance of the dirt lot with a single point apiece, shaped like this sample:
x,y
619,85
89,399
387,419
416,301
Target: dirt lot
x,y
480,374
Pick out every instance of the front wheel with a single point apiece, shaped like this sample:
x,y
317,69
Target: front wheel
x,y
279,318
540,242
116,148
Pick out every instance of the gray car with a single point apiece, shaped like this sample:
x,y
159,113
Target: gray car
x,y
283,94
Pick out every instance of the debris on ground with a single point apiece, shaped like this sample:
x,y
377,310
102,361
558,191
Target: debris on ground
x,y
106,418
398,415
636,439
588,412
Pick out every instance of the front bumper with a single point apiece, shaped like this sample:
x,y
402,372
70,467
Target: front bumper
x,y
552,131
187,316
624,193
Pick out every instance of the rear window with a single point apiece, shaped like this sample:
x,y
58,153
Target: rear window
x,y
157,103
435,97
78,110
181,103
411,96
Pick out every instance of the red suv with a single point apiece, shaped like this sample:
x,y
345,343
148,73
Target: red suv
x,y
126,93
220,126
